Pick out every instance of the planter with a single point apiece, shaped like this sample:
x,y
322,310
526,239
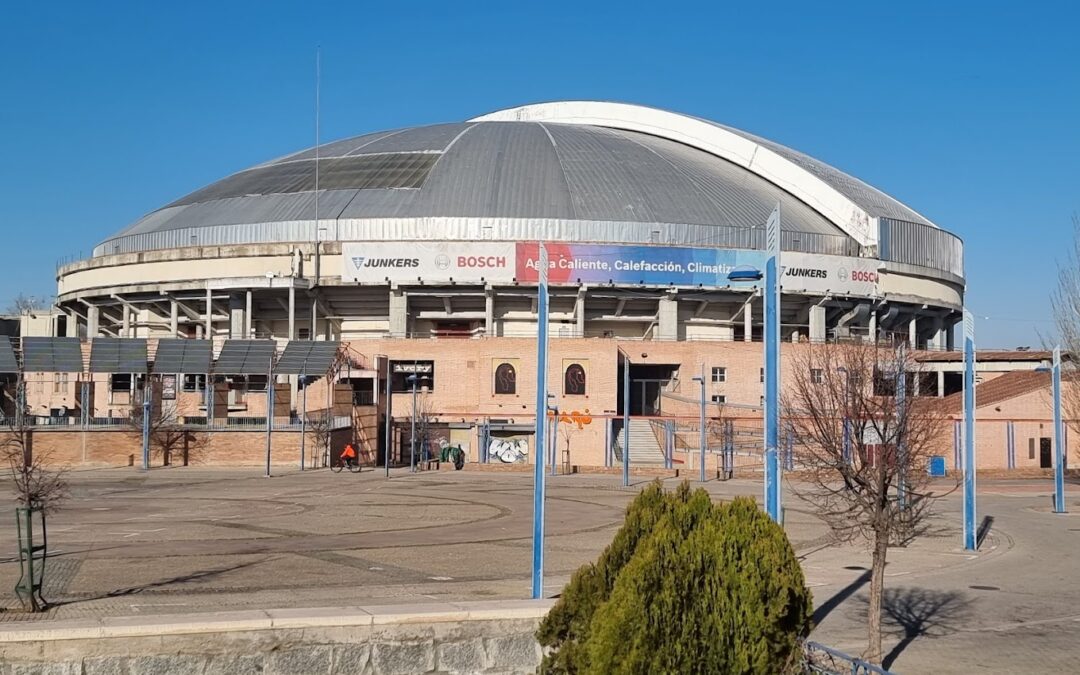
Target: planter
x,y
33,542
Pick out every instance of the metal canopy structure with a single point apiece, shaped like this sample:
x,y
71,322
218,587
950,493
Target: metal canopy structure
x,y
52,355
183,356
118,355
245,357
8,362
307,357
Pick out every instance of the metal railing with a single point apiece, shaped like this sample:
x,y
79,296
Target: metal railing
x,y
192,422
817,658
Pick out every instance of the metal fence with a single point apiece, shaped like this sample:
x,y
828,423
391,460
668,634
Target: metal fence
x,y
817,658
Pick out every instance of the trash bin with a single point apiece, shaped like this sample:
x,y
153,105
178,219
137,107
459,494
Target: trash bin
x,y
937,466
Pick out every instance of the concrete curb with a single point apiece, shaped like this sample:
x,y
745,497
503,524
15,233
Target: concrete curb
x,y
274,619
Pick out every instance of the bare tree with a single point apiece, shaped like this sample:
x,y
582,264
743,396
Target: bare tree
x,y
425,416
865,443
320,426
38,483
1065,303
170,436
26,304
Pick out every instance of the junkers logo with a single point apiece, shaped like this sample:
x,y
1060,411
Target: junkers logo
x,y
806,273
360,262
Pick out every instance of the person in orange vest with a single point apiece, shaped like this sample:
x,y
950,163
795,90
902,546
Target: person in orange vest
x,y
348,455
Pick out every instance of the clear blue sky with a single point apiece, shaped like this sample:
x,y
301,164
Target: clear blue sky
x,y
969,113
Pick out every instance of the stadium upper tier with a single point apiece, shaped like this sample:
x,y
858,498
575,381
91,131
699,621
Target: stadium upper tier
x,y
570,171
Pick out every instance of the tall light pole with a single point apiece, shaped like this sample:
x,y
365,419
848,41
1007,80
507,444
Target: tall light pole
x,y
303,418
389,426
969,431
700,379
846,452
412,379
626,422
554,410
541,424
1059,437
269,410
901,403
146,411
772,364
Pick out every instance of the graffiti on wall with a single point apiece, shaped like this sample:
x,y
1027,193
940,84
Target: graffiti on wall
x,y
509,450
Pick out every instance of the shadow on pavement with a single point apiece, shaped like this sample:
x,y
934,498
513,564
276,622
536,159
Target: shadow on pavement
x,y
843,594
910,613
201,575
984,529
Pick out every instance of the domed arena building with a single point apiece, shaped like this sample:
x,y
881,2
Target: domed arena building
x,y
417,250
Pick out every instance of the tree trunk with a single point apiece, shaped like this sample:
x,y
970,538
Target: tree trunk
x,y
877,584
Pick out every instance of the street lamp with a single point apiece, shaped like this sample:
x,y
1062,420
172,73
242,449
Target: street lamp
x,y
1059,432
412,380
771,297
700,379
846,451
553,408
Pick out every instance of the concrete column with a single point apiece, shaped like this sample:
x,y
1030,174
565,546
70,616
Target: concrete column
x,y
817,324
174,318
937,337
247,316
209,314
236,315
941,384
125,330
949,338
872,331
314,330
71,326
913,332
399,313
748,321
93,319
292,313
668,318
489,312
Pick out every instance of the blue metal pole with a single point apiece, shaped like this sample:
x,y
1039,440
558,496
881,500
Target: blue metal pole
x,y
626,422
412,434
901,401
772,365
389,418
541,424
146,428
1059,437
703,442
969,431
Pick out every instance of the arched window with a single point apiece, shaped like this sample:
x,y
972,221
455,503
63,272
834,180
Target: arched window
x,y
505,379
574,380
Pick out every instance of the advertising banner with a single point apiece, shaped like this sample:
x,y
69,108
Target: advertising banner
x,y
652,265
383,261
503,262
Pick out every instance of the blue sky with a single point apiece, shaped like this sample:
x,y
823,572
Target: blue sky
x,y
967,113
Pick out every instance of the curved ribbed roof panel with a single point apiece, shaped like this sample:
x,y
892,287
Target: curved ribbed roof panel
x,y
529,171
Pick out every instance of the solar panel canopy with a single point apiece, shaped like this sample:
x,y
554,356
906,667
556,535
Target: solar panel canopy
x,y
52,355
245,357
118,355
183,356
307,357
8,362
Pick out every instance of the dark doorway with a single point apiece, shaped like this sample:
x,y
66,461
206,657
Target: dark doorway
x,y
647,384
1044,453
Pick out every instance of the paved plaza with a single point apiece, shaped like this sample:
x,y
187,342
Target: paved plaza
x,y
187,540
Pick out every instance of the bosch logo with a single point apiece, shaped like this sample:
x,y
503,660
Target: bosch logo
x,y
841,274
481,261
442,261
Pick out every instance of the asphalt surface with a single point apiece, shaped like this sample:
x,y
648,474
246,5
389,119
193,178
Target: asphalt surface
x,y
189,540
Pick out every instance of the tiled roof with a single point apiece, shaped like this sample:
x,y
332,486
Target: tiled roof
x,y
1002,388
986,356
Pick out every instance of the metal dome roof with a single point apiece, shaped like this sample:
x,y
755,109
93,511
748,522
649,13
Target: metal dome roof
x,y
518,178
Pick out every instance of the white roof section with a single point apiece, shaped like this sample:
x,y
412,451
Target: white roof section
x,y
850,204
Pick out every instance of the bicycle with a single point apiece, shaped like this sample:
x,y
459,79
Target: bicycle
x,y
352,462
